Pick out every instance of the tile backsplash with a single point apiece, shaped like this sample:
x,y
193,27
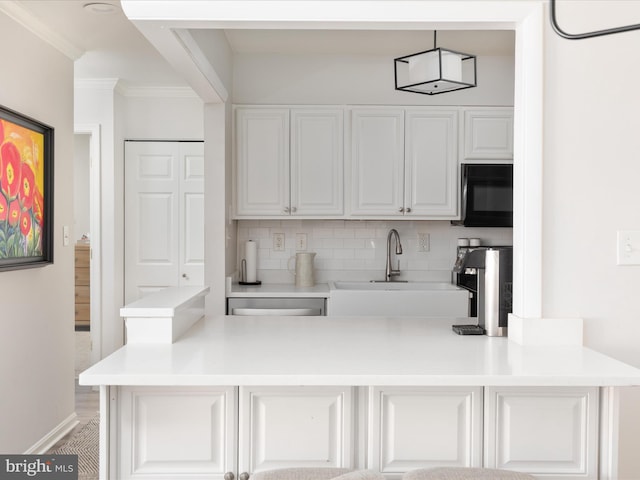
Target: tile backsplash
x,y
357,249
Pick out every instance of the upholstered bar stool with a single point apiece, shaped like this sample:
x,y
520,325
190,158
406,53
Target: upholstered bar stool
x,y
464,473
324,473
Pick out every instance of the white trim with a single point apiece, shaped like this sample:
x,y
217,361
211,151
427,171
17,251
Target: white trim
x,y
50,439
15,11
609,432
200,59
96,83
159,92
95,227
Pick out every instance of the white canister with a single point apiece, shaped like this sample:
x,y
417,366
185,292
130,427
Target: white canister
x,y
463,242
474,242
303,269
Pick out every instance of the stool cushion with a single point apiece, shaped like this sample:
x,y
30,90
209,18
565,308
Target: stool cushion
x,y
462,473
360,475
302,473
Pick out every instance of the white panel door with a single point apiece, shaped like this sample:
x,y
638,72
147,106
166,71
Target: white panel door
x,y
549,431
164,216
423,427
173,433
283,427
262,161
431,165
191,213
317,162
377,161
488,134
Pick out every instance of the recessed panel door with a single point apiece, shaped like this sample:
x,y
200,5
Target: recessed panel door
x,y
164,216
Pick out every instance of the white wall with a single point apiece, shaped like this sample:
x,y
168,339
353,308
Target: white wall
x,y
591,172
37,314
81,159
366,80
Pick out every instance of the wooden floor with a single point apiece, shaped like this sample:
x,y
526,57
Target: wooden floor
x,y
87,399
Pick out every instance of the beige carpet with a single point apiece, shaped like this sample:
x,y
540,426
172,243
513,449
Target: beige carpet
x,y
84,443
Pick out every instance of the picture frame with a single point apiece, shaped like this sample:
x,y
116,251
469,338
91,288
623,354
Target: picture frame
x,y
26,191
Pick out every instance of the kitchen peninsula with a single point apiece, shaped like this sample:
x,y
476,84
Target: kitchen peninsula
x,y
242,394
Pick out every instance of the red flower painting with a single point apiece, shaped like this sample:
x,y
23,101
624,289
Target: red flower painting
x,y
21,191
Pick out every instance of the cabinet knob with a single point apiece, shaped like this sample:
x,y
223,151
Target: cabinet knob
x,y
294,209
287,209
229,476
408,210
401,210
243,476
185,276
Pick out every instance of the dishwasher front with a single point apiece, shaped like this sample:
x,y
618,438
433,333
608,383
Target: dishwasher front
x,y
281,306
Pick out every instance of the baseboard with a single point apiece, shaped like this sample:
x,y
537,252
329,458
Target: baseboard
x,y
51,438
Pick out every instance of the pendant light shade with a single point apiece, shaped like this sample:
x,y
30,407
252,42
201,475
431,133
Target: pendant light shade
x,y
435,71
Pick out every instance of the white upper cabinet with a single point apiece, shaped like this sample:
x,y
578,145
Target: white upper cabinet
x,y
488,134
262,161
377,161
431,170
283,169
404,162
317,162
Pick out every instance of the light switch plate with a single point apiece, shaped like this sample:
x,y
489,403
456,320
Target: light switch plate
x,y
628,247
301,241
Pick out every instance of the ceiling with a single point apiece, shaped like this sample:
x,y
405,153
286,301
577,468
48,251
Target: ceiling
x,y
108,45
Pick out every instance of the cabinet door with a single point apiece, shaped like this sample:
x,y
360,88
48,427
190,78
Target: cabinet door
x,y
488,134
317,162
282,427
431,166
185,433
377,162
423,427
550,431
262,161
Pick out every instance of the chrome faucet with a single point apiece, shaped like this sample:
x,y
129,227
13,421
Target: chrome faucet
x,y
390,272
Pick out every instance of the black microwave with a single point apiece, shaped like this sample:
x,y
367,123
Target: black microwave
x,y
486,195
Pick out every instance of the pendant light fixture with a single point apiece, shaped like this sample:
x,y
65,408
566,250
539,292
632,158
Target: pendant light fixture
x,y
435,71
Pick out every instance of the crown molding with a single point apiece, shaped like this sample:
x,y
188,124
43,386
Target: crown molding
x,y
164,92
22,16
120,87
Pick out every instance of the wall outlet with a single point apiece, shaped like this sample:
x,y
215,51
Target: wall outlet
x,y
278,242
301,241
423,242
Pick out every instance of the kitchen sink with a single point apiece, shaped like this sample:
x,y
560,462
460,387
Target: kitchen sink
x,y
423,299
398,285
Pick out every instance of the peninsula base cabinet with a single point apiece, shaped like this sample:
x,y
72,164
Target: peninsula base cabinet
x,y
227,433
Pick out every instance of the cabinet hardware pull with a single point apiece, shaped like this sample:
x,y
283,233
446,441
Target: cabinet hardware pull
x,y
408,209
243,476
185,276
401,210
286,209
229,476
294,209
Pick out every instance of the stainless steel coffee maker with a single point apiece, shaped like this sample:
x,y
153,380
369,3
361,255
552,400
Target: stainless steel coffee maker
x,y
492,268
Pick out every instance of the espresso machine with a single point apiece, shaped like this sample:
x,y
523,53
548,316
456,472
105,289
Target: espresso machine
x,y
487,272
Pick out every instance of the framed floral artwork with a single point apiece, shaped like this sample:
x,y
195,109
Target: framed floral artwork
x,y
26,192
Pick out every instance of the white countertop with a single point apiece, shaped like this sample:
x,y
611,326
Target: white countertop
x,y
355,351
275,290
163,303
